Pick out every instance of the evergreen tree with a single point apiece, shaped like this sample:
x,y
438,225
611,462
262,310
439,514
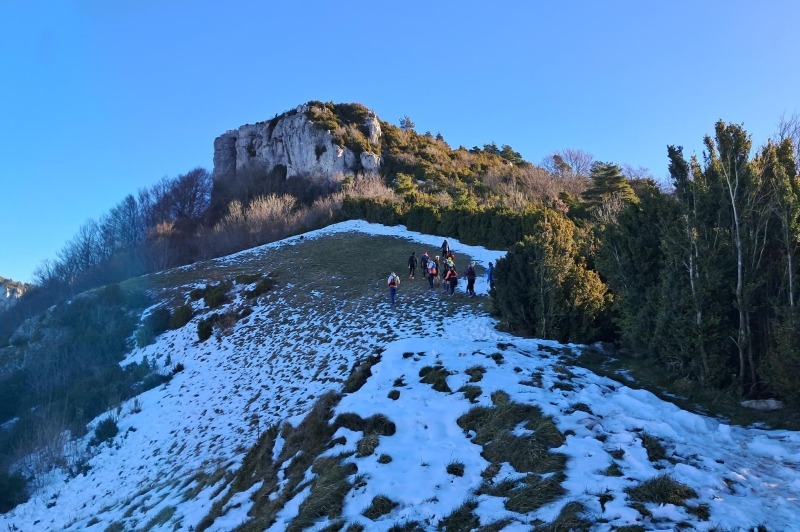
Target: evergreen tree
x,y
607,183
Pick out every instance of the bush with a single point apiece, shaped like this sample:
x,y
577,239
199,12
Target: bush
x,y
104,431
197,294
263,286
181,317
154,324
13,491
216,295
544,288
204,329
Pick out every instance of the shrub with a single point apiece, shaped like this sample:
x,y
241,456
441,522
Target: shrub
x,y
197,294
263,286
13,491
181,317
105,430
545,289
217,295
154,324
204,329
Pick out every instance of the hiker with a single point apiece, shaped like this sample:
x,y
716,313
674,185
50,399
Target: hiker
x,y
445,249
470,274
423,262
412,265
451,278
444,269
393,282
490,276
432,271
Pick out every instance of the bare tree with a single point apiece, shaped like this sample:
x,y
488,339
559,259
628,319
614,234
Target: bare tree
x,y
789,128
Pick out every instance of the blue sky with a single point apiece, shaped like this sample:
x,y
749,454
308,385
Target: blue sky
x,y
99,99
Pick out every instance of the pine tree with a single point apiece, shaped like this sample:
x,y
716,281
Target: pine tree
x,y
607,183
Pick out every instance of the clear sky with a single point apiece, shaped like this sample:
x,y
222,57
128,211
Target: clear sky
x,y
99,98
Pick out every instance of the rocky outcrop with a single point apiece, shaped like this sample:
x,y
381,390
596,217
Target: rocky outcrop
x,y
295,142
10,291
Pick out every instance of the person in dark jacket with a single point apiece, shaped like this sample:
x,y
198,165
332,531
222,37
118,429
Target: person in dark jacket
x,y
423,264
490,275
412,265
471,279
445,249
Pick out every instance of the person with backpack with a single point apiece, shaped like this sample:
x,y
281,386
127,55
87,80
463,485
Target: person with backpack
x,y
445,249
451,279
432,271
470,274
444,270
393,282
412,265
423,262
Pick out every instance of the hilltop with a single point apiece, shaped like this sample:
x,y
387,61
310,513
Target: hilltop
x,y
313,406
10,291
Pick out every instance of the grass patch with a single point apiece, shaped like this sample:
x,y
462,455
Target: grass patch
x,y
408,526
662,489
617,454
631,528
164,515
381,505
384,458
394,395
493,427
500,489
328,491
582,407
655,451
436,376
701,511
613,470
534,493
569,518
475,373
366,446
399,382
497,357
462,519
456,469
361,371
563,386
115,527
471,392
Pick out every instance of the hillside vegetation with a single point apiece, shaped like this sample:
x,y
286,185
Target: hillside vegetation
x,y
313,406
694,282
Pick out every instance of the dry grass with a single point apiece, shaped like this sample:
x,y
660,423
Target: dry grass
x,y
436,376
662,489
381,505
475,373
462,519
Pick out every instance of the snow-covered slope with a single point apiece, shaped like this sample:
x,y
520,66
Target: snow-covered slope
x,y
177,456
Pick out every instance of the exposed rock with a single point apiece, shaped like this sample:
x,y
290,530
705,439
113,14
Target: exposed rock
x,y
294,142
10,291
763,404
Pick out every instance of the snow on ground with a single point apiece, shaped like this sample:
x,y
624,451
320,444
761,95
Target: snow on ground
x,y
166,466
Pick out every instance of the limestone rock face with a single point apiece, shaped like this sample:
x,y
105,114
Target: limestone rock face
x,y
10,291
293,141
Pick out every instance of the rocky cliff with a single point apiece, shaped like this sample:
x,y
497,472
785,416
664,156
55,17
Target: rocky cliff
x,y
10,291
311,139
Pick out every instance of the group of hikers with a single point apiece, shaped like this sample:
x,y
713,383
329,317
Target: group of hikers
x,y
440,269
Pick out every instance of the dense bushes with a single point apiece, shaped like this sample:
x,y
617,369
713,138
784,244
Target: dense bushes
x,y
545,289
12,491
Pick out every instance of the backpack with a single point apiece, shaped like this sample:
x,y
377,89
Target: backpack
x,y
394,280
